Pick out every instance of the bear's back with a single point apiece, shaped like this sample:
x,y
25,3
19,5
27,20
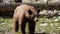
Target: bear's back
x,y
22,9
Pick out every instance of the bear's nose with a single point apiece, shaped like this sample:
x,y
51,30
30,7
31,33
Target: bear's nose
x,y
35,19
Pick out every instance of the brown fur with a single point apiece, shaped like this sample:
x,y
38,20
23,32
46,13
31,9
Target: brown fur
x,y
22,15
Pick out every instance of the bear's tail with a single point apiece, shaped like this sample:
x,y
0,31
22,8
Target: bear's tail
x,y
17,25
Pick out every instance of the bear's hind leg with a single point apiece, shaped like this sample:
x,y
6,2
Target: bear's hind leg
x,y
23,26
15,25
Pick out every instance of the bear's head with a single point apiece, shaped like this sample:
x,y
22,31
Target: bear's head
x,y
31,15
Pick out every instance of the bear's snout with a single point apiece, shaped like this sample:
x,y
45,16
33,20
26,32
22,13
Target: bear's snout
x,y
35,19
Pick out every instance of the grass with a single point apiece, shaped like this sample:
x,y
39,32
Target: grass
x,y
40,20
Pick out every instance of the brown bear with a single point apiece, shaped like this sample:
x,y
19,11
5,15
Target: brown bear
x,y
24,14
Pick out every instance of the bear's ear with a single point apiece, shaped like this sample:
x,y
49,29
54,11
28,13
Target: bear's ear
x,y
30,12
38,11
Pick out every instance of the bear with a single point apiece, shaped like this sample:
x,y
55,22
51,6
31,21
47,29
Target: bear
x,y
24,14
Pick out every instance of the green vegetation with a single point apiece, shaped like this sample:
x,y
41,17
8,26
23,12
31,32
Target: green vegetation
x,y
48,28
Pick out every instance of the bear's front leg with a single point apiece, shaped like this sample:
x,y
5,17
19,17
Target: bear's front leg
x,y
31,27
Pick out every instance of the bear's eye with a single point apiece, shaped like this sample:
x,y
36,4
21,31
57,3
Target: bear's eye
x,y
30,12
